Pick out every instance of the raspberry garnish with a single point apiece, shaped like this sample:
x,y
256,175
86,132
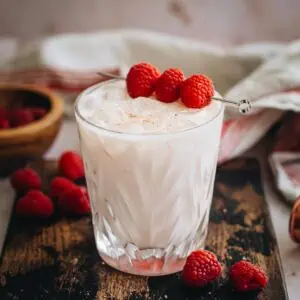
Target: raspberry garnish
x,y
34,204
247,277
201,268
141,80
168,85
196,91
25,179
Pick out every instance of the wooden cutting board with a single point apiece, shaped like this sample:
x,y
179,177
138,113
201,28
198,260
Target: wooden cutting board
x,y
57,259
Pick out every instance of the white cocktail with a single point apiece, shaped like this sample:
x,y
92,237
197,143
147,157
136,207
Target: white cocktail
x,y
150,169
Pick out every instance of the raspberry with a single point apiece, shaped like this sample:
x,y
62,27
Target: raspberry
x,y
71,165
34,204
4,123
74,202
196,91
38,112
247,277
60,185
20,117
201,268
168,85
84,190
25,179
141,80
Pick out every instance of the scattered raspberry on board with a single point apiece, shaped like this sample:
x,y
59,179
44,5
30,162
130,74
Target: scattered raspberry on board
x,y
74,202
34,204
25,179
247,277
71,165
201,267
60,185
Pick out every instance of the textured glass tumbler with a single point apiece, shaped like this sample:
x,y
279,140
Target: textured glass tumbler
x,y
150,193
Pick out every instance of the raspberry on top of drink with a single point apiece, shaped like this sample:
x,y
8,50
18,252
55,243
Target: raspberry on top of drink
x,y
143,80
152,102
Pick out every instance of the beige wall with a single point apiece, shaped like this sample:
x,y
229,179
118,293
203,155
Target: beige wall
x,y
220,21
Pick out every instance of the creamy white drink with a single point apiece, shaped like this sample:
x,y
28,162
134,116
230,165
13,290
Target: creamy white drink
x,y
150,169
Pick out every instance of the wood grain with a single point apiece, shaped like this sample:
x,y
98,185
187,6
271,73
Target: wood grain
x,y
57,259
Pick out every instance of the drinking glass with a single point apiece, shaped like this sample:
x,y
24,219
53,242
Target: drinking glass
x,y
150,193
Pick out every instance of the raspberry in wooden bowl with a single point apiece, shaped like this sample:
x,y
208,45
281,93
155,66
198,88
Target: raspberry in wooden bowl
x,y
30,119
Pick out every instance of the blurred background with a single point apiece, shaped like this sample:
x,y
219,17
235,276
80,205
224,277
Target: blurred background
x,y
226,22
67,65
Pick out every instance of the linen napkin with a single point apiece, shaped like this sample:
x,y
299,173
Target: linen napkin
x,y
268,74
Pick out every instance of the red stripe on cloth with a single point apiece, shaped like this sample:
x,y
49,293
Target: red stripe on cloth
x,y
233,133
225,127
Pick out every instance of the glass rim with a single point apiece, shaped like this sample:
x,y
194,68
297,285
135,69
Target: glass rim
x,y
136,134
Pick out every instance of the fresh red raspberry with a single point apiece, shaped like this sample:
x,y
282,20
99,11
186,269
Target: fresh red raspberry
x,y
71,165
34,204
38,112
4,123
141,80
196,91
74,202
60,185
25,179
84,190
247,277
201,268
167,87
20,117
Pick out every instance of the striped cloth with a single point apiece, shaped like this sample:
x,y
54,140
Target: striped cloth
x,y
266,74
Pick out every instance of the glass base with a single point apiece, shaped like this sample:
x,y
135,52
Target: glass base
x,y
148,267
148,262
130,259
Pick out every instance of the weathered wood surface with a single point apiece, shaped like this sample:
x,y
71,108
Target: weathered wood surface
x,y
57,259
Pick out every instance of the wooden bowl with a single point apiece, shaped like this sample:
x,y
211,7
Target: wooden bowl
x,y
18,145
